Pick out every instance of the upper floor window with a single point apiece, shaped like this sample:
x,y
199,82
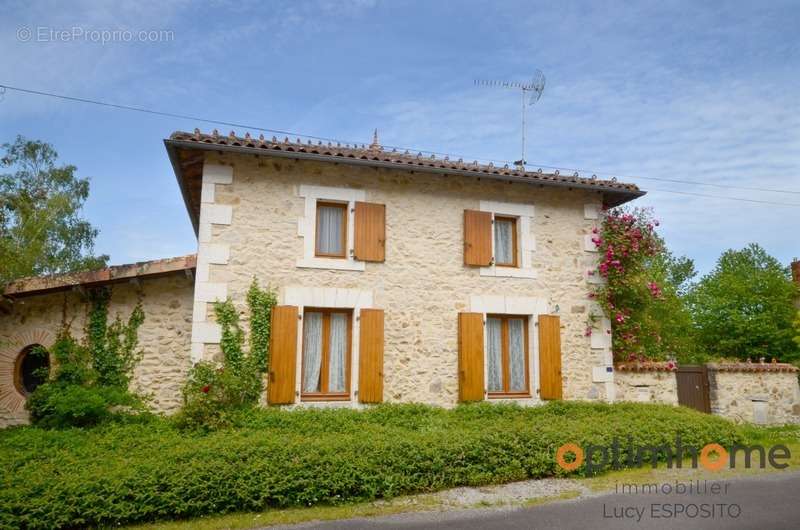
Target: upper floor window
x,y
498,238
331,230
505,241
340,230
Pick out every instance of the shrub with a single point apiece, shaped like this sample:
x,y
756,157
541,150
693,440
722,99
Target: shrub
x,y
61,405
123,473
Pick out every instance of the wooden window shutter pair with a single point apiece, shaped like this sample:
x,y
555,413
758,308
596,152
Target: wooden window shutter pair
x,y
477,238
370,232
471,357
283,356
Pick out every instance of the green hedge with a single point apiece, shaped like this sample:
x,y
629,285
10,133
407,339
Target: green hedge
x,y
148,470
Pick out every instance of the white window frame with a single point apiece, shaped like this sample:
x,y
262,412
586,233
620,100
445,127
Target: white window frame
x,y
514,306
526,242
307,227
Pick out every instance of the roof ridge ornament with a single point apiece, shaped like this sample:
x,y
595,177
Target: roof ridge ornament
x,y
375,145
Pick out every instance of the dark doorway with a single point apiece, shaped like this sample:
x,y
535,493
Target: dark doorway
x,y
693,387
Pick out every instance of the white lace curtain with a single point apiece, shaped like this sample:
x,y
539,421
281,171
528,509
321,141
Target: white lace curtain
x,y
338,343
329,229
494,354
312,351
516,355
503,241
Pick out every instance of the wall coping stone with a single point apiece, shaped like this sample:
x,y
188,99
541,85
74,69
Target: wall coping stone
x,y
752,367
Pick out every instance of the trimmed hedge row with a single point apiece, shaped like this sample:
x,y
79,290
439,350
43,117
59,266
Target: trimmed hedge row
x,y
148,470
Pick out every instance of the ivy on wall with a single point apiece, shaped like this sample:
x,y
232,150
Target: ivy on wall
x,y
214,390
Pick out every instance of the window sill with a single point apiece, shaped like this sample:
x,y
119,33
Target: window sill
x,y
509,395
324,397
331,264
508,272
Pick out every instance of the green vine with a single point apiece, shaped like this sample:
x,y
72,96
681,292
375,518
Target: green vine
x,y
112,346
215,390
260,302
97,323
232,340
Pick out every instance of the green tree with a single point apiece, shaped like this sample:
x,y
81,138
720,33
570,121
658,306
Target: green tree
x,y
744,307
41,230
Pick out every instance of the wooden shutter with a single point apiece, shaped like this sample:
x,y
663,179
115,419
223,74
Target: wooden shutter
x,y
283,355
470,356
370,353
550,357
477,238
370,231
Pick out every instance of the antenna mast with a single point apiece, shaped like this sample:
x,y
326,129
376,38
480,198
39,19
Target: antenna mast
x,y
535,88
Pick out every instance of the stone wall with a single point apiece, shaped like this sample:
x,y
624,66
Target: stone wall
x,y
758,397
647,386
763,394
164,337
423,283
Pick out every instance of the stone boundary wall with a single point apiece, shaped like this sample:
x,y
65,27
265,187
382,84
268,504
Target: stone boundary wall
x,y
766,394
647,387
762,397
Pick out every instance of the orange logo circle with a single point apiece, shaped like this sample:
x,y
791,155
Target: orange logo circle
x,y
569,448
713,465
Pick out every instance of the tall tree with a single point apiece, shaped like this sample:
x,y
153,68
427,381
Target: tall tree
x,y
41,230
744,307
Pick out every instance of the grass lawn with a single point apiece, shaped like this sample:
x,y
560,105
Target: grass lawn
x,y
281,466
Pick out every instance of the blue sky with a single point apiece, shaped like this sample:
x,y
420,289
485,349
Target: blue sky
x,y
684,90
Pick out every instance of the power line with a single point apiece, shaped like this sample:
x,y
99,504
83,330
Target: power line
x,y
321,138
679,181
708,195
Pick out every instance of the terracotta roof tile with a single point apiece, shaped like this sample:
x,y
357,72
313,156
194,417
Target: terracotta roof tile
x,y
377,153
186,166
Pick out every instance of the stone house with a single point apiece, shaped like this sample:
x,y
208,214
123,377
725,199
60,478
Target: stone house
x,y
400,277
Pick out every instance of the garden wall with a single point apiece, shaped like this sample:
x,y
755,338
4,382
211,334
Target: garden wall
x,y
763,393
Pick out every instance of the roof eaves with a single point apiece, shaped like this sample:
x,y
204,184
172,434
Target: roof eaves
x,y
113,274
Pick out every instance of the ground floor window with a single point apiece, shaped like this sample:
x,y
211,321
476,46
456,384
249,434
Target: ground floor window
x,y
31,368
507,355
327,338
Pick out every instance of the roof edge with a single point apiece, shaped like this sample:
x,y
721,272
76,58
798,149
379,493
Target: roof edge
x,y
36,285
613,195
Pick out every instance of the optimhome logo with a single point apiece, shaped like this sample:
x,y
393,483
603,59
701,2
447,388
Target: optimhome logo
x,y
617,456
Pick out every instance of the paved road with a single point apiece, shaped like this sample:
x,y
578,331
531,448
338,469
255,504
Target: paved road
x,y
764,503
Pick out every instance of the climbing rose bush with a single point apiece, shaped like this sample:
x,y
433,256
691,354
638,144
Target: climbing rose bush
x,y
635,295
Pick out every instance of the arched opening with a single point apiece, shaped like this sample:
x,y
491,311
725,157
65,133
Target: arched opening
x,y
31,368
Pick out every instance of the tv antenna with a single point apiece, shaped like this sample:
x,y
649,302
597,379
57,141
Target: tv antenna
x,y
531,92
